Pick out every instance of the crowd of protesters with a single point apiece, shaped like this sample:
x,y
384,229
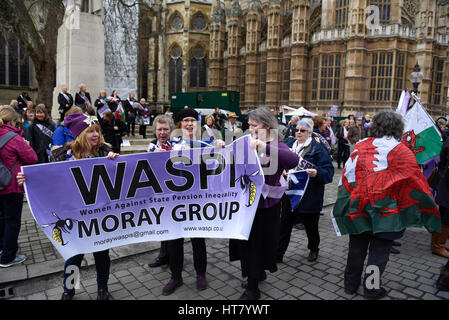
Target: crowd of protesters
x,y
318,141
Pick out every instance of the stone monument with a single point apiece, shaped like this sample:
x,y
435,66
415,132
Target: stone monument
x,y
80,50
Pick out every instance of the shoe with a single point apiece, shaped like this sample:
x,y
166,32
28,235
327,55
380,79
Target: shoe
x,y
171,286
245,282
394,251
18,259
438,245
312,256
279,259
299,226
201,282
396,244
250,295
444,236
68,295
103,294
350,291
158,262
374,294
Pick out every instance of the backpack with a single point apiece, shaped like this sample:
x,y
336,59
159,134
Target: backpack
x,y
5,173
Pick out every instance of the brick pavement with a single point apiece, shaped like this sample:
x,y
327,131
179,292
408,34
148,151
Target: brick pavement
x,y
410,275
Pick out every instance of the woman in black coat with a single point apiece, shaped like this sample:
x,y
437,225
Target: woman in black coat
x,y
40,134
343,143
113,129
320,169
130,114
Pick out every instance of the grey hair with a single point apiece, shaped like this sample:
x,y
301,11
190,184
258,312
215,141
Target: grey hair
x,y
264,115
387,123
295,117
163,119
304,124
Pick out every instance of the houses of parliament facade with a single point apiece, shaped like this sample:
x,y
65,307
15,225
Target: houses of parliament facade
x,y
357,54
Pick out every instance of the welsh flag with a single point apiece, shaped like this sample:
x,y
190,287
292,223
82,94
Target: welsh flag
x,y
120,113
382,189
421,134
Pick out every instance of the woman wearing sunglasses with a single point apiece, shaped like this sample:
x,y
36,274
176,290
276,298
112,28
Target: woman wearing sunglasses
x,y
321,171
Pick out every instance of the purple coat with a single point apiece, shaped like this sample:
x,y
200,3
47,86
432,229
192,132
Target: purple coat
x,y
16,149
286,160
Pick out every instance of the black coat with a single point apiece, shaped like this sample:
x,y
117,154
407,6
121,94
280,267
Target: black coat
x,y
98,104
312,200
111,136
62,102
130,112
80,102
39,141
22,102
442,178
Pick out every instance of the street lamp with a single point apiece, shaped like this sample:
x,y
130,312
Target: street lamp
x,y
416,77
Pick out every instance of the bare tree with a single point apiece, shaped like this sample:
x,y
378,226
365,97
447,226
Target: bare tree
x,y
35,24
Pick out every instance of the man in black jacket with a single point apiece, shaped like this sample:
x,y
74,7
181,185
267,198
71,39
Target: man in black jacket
x,y
65,101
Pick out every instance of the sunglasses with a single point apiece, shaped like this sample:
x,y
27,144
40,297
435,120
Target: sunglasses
x,y
301,130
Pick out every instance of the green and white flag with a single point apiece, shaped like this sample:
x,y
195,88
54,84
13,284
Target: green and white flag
x,y
421,134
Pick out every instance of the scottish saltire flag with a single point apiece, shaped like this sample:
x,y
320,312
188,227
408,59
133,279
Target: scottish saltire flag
x,y
421,134
296,187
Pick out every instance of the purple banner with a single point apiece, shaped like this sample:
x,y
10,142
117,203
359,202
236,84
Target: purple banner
x,y
91,205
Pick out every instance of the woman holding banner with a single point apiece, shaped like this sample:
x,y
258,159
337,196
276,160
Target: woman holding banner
x,y
318,165
259,253
162,127
88,143
188,133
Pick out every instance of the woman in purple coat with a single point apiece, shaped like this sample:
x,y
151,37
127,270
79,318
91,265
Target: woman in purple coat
x,y
259,252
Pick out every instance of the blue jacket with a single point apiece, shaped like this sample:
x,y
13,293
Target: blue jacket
x,y
312,201
61,136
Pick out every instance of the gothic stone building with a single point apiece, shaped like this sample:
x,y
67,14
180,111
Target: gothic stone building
x,y
298,52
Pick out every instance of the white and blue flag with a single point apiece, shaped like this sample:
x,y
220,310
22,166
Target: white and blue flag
x,y
297,184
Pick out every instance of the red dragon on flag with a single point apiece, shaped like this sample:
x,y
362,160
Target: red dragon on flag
x,y
382,189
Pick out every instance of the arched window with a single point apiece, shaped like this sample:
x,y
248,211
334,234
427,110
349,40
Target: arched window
x,y
175,70
198,22
198,68
176,22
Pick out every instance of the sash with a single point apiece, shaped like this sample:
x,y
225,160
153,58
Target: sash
x,y
45,130
66,97
85,99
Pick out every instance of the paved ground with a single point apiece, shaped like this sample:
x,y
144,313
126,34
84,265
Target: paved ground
x,y
410,275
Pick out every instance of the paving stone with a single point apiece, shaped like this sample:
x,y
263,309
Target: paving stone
x,y
413,292
142,291
312,289
327,295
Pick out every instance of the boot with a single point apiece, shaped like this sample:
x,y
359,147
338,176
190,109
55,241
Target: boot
x,y
443,279
437,246
444,236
